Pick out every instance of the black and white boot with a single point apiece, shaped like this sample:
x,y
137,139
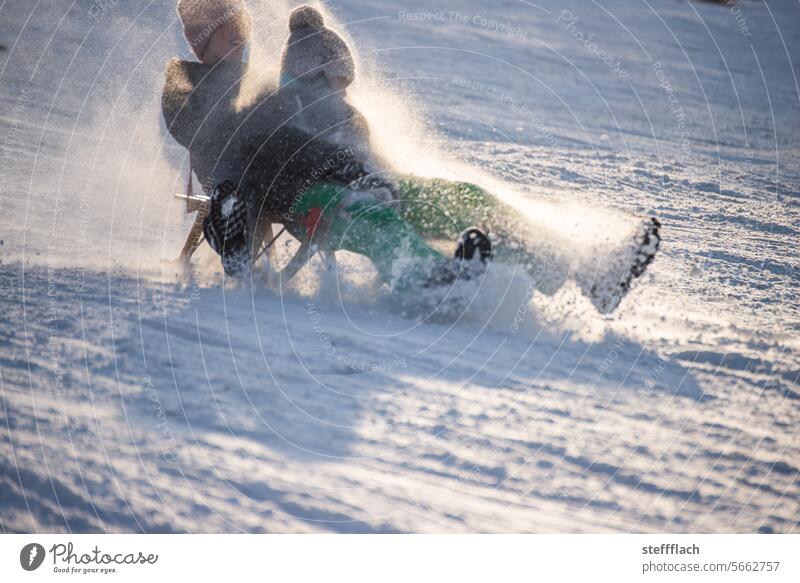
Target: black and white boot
x,y
472,255
431,291
606,290
225,228
474,240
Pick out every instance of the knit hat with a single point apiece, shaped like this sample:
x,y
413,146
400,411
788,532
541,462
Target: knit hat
x,y
202,18
314,50
305,16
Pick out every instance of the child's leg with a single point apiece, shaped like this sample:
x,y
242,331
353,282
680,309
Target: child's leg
x,y
441,209
338,218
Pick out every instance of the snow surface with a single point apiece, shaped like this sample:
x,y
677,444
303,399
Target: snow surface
x,y
134,400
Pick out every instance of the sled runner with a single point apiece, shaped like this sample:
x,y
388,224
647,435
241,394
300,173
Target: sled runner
x,y
199,203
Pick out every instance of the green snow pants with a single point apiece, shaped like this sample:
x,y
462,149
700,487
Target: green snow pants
x,y
337,218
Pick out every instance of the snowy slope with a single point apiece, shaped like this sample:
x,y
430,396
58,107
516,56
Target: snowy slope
x,y
135,400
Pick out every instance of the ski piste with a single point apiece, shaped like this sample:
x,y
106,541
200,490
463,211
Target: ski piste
x,y
439,210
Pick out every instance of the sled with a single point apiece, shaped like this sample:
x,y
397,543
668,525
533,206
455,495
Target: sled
x,y
439,209
199,203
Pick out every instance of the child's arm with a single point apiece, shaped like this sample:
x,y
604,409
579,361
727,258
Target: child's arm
x,y
174,101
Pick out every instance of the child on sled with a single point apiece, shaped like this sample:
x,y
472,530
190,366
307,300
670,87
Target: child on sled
x,y
299,171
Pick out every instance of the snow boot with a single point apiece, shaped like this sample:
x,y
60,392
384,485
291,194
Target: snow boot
x,y
225,228
472,240
606,290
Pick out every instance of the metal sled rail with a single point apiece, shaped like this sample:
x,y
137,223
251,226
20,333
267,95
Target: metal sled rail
x,y
300,258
